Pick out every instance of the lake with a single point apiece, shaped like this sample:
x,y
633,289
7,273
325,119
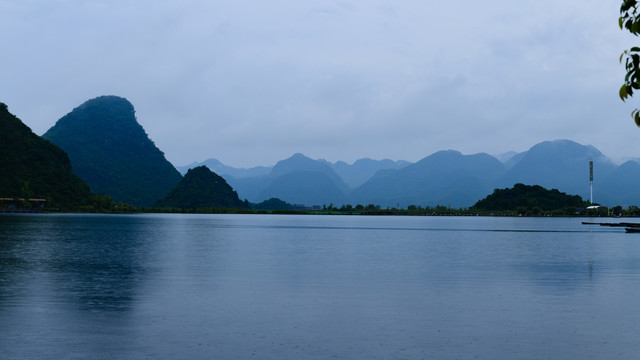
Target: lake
x,y
157,286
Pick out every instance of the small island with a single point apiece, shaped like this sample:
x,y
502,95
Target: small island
x,y
532,200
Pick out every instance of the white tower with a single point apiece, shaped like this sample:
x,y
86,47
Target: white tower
x,y
591,179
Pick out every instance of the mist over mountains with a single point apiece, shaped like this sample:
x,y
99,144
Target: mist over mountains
x,y
105,146
219,168
446,178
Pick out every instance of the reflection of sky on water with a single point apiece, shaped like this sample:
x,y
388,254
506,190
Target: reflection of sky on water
x,y
208,286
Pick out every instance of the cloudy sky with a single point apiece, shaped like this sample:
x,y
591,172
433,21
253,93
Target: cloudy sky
x,y
252,82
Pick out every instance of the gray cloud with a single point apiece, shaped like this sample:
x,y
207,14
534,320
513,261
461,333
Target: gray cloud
x,y
253,82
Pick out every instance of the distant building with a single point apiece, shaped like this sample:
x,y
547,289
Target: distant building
x,y
305,207
8,204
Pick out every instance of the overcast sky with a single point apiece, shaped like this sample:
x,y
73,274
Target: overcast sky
x,y
252,82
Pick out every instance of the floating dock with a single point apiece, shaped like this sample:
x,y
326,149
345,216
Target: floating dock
x,y
628,227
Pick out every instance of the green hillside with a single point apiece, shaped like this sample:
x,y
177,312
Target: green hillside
x,y
32,167
202,188
111,152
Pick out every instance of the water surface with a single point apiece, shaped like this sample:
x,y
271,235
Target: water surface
x,y
316,287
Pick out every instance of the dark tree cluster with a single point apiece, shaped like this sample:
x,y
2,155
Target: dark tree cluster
x,y
35,168
529,198
273,204
630,20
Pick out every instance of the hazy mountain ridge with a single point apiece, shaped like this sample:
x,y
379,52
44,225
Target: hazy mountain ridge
x,y
221,169
362,170
560,164
265,181
505,157
448,178
296,180
443,178
300,163
620,187
305,187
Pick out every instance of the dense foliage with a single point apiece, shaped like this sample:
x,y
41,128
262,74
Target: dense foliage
x,y
202,188
630,20
529,198
273,204
111,152
32,167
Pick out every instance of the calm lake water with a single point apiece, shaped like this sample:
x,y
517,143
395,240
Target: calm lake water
x,y
316,287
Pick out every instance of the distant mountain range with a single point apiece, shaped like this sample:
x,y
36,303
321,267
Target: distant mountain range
x,y
444,178
299,179
109,150
219,168
353,175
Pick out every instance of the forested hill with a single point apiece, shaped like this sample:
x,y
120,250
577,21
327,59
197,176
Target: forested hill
x,y
35,168
202,188
111,152
529,197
